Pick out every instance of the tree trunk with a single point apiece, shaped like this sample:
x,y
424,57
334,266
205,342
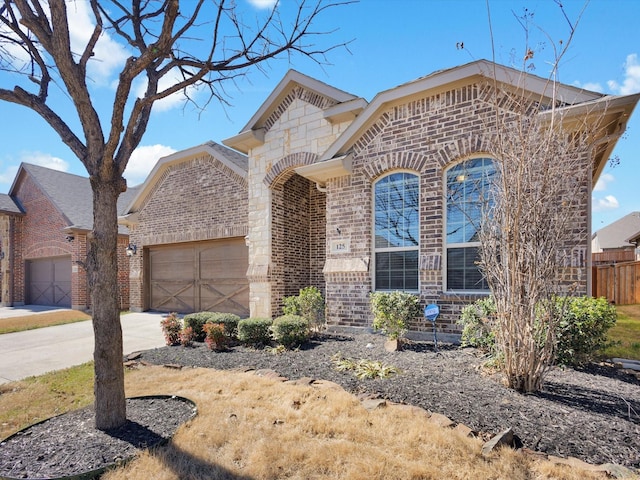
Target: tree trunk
x,y
110,404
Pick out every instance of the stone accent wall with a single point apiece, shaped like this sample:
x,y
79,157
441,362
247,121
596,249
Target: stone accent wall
x,y
296,133
195,200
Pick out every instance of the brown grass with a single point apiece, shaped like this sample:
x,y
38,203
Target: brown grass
x,y
39,320
250,427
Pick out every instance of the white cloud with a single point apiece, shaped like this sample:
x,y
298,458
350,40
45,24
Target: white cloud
x,y
263,4
631,82
8,173
109,55
603,182
602,204
142,161
45,160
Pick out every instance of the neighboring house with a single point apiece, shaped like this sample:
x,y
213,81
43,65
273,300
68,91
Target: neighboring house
x,y
618,241
188,223
352,196
44,223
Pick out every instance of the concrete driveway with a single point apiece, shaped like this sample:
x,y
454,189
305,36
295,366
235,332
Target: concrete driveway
x,y
34,352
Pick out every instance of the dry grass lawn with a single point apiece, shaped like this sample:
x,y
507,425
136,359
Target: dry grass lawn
x,y
250,427
39,320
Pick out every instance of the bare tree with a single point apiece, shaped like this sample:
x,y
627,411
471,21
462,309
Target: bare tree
x,y
531,223
171,46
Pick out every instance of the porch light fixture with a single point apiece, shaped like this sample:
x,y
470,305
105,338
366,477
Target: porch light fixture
x,y
70,238
131,250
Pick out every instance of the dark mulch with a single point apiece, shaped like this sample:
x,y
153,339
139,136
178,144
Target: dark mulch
x,y
69,445
592,414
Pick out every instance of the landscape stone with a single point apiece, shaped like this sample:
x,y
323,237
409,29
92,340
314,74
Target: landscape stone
x,y
504,438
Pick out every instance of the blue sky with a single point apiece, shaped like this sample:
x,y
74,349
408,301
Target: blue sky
x,y
393,42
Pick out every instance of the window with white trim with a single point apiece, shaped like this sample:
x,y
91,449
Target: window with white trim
x,y
467,186
397,231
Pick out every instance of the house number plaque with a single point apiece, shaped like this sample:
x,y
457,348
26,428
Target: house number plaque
x,y
341,246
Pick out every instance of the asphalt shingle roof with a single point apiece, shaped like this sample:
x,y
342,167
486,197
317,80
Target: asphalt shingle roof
x,y
72,195
7,205
617,234
237,158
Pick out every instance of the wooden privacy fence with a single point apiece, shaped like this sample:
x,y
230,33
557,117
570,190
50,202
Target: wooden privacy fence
x,y
619,283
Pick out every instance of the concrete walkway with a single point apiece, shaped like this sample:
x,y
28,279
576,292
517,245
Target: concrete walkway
x,y
34,352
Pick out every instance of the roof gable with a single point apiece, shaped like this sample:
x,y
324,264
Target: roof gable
x,y
444,80
235,162
70,194
338,105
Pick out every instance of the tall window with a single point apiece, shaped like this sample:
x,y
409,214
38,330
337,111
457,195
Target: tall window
x,y
467,194
397,232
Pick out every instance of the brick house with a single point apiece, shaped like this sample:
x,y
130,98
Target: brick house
x,y
188,224
44,223
352,196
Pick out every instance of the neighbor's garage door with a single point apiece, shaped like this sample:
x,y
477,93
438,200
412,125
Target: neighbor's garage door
x,y
203,276
49,281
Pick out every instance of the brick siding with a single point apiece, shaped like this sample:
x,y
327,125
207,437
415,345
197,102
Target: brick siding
x,y
194,200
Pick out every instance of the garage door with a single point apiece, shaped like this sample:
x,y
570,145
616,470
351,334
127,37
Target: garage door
x,y
196,277
49,281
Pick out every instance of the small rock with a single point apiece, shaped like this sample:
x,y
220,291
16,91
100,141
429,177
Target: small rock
x,y
369,345
173,366
374,403
441,420
618,471
504,438
463,430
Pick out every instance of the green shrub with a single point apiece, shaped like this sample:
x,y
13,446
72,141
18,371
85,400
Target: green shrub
x,y
196,321
478,322
392,311
580,334
309,304
254,331
582,331
171,327
229,320
290,330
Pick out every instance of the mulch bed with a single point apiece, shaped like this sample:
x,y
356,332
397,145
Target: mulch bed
x,y
69,446
592,414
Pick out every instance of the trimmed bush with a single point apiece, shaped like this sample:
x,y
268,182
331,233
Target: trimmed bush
x,y
309,304
392,312
290,330
229,320
186,337
254,331
478,321
582,332
216,337
196,321
171,327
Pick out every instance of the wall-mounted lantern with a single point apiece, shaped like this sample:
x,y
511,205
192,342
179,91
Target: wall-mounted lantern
x,y
70,238
131,249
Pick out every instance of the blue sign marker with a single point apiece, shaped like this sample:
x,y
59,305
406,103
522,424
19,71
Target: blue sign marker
x,y
431,312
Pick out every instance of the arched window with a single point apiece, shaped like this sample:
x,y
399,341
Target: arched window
x,y
468,186
396,231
